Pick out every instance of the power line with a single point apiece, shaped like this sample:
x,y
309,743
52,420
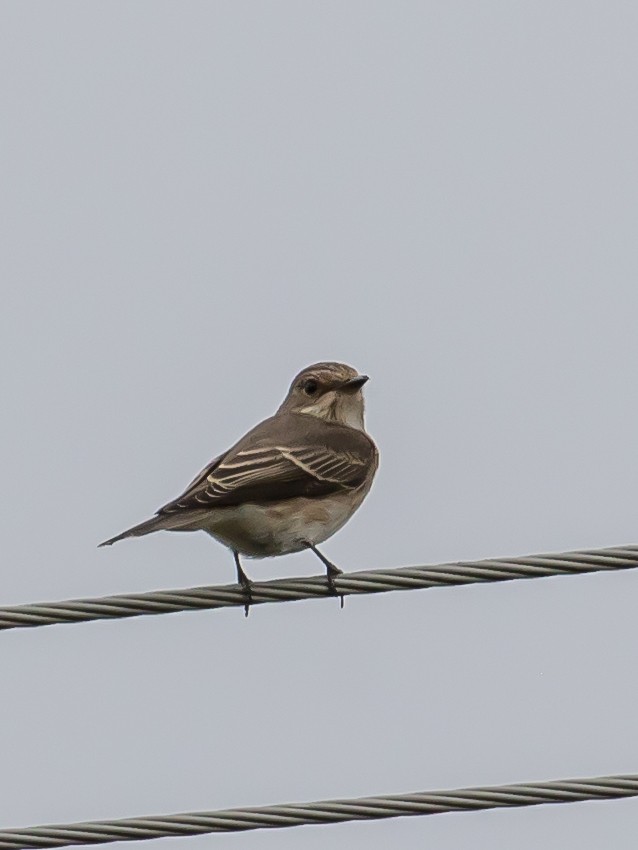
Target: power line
x,y
321,812
287,590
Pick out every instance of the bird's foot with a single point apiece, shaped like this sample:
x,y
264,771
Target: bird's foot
x,y
332,571
247,588
246,585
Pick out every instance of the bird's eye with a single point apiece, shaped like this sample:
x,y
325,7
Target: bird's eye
x,y
310,387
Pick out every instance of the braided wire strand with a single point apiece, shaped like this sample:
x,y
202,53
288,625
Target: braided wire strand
x,y
288,590
321,812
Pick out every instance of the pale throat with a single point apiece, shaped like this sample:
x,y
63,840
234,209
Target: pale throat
x,y
346,410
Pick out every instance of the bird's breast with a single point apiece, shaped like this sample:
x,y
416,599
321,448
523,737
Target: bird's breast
x,y
263,530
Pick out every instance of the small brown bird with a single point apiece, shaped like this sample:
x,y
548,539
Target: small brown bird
x,y
290,483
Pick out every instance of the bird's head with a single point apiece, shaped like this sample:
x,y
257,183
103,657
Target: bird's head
x,y
329,391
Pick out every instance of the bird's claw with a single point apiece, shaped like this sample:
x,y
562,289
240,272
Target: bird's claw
x,y
247,590
331,573
245,583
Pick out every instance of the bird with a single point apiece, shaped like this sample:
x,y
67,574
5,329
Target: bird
x,y
289,483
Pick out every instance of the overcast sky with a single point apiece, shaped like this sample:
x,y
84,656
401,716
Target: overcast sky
x,y
201,198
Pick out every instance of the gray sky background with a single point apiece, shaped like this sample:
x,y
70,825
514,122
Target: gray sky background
x,y
199,199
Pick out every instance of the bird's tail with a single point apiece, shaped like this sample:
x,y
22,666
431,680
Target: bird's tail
x,y
156,523
147,527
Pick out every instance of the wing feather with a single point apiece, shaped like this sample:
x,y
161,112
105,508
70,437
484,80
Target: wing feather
x,y
326,464
283,457
273,473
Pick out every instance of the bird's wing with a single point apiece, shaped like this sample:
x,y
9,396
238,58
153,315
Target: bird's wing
x,y
273,472
201,477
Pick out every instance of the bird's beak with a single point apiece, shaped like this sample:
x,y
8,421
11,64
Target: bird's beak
x,y
354,384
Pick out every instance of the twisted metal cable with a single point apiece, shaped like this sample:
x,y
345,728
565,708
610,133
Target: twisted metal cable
x,y
324,811
286,590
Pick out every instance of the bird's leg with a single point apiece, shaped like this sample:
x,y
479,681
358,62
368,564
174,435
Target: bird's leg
x,y
245,583
332,570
